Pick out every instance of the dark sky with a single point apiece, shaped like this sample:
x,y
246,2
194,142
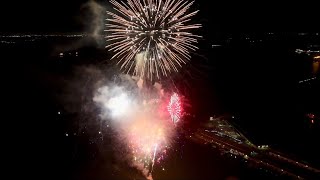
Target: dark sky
x,y
224,16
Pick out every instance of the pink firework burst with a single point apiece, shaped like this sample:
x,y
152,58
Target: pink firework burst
x,y
174,108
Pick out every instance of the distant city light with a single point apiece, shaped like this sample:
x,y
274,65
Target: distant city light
x,y
59,112
312,121
67,134
215,45
306,80
308,51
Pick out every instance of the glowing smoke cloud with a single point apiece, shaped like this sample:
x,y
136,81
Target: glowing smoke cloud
x,y
146,133
118,105
115,101
151,37
93,19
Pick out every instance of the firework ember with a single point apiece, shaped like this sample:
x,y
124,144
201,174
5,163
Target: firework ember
x,y
151,37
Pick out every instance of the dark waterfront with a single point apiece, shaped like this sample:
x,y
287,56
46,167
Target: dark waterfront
x,y
260,83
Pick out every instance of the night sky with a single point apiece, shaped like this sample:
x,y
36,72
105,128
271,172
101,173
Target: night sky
x,y
32,123
67,16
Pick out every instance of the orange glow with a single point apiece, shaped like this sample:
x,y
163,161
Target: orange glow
x,y
316,57
315,67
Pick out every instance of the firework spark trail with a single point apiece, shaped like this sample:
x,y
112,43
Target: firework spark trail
x,y
155,29
154,157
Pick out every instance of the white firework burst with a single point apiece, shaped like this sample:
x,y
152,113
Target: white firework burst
x,y
151,37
